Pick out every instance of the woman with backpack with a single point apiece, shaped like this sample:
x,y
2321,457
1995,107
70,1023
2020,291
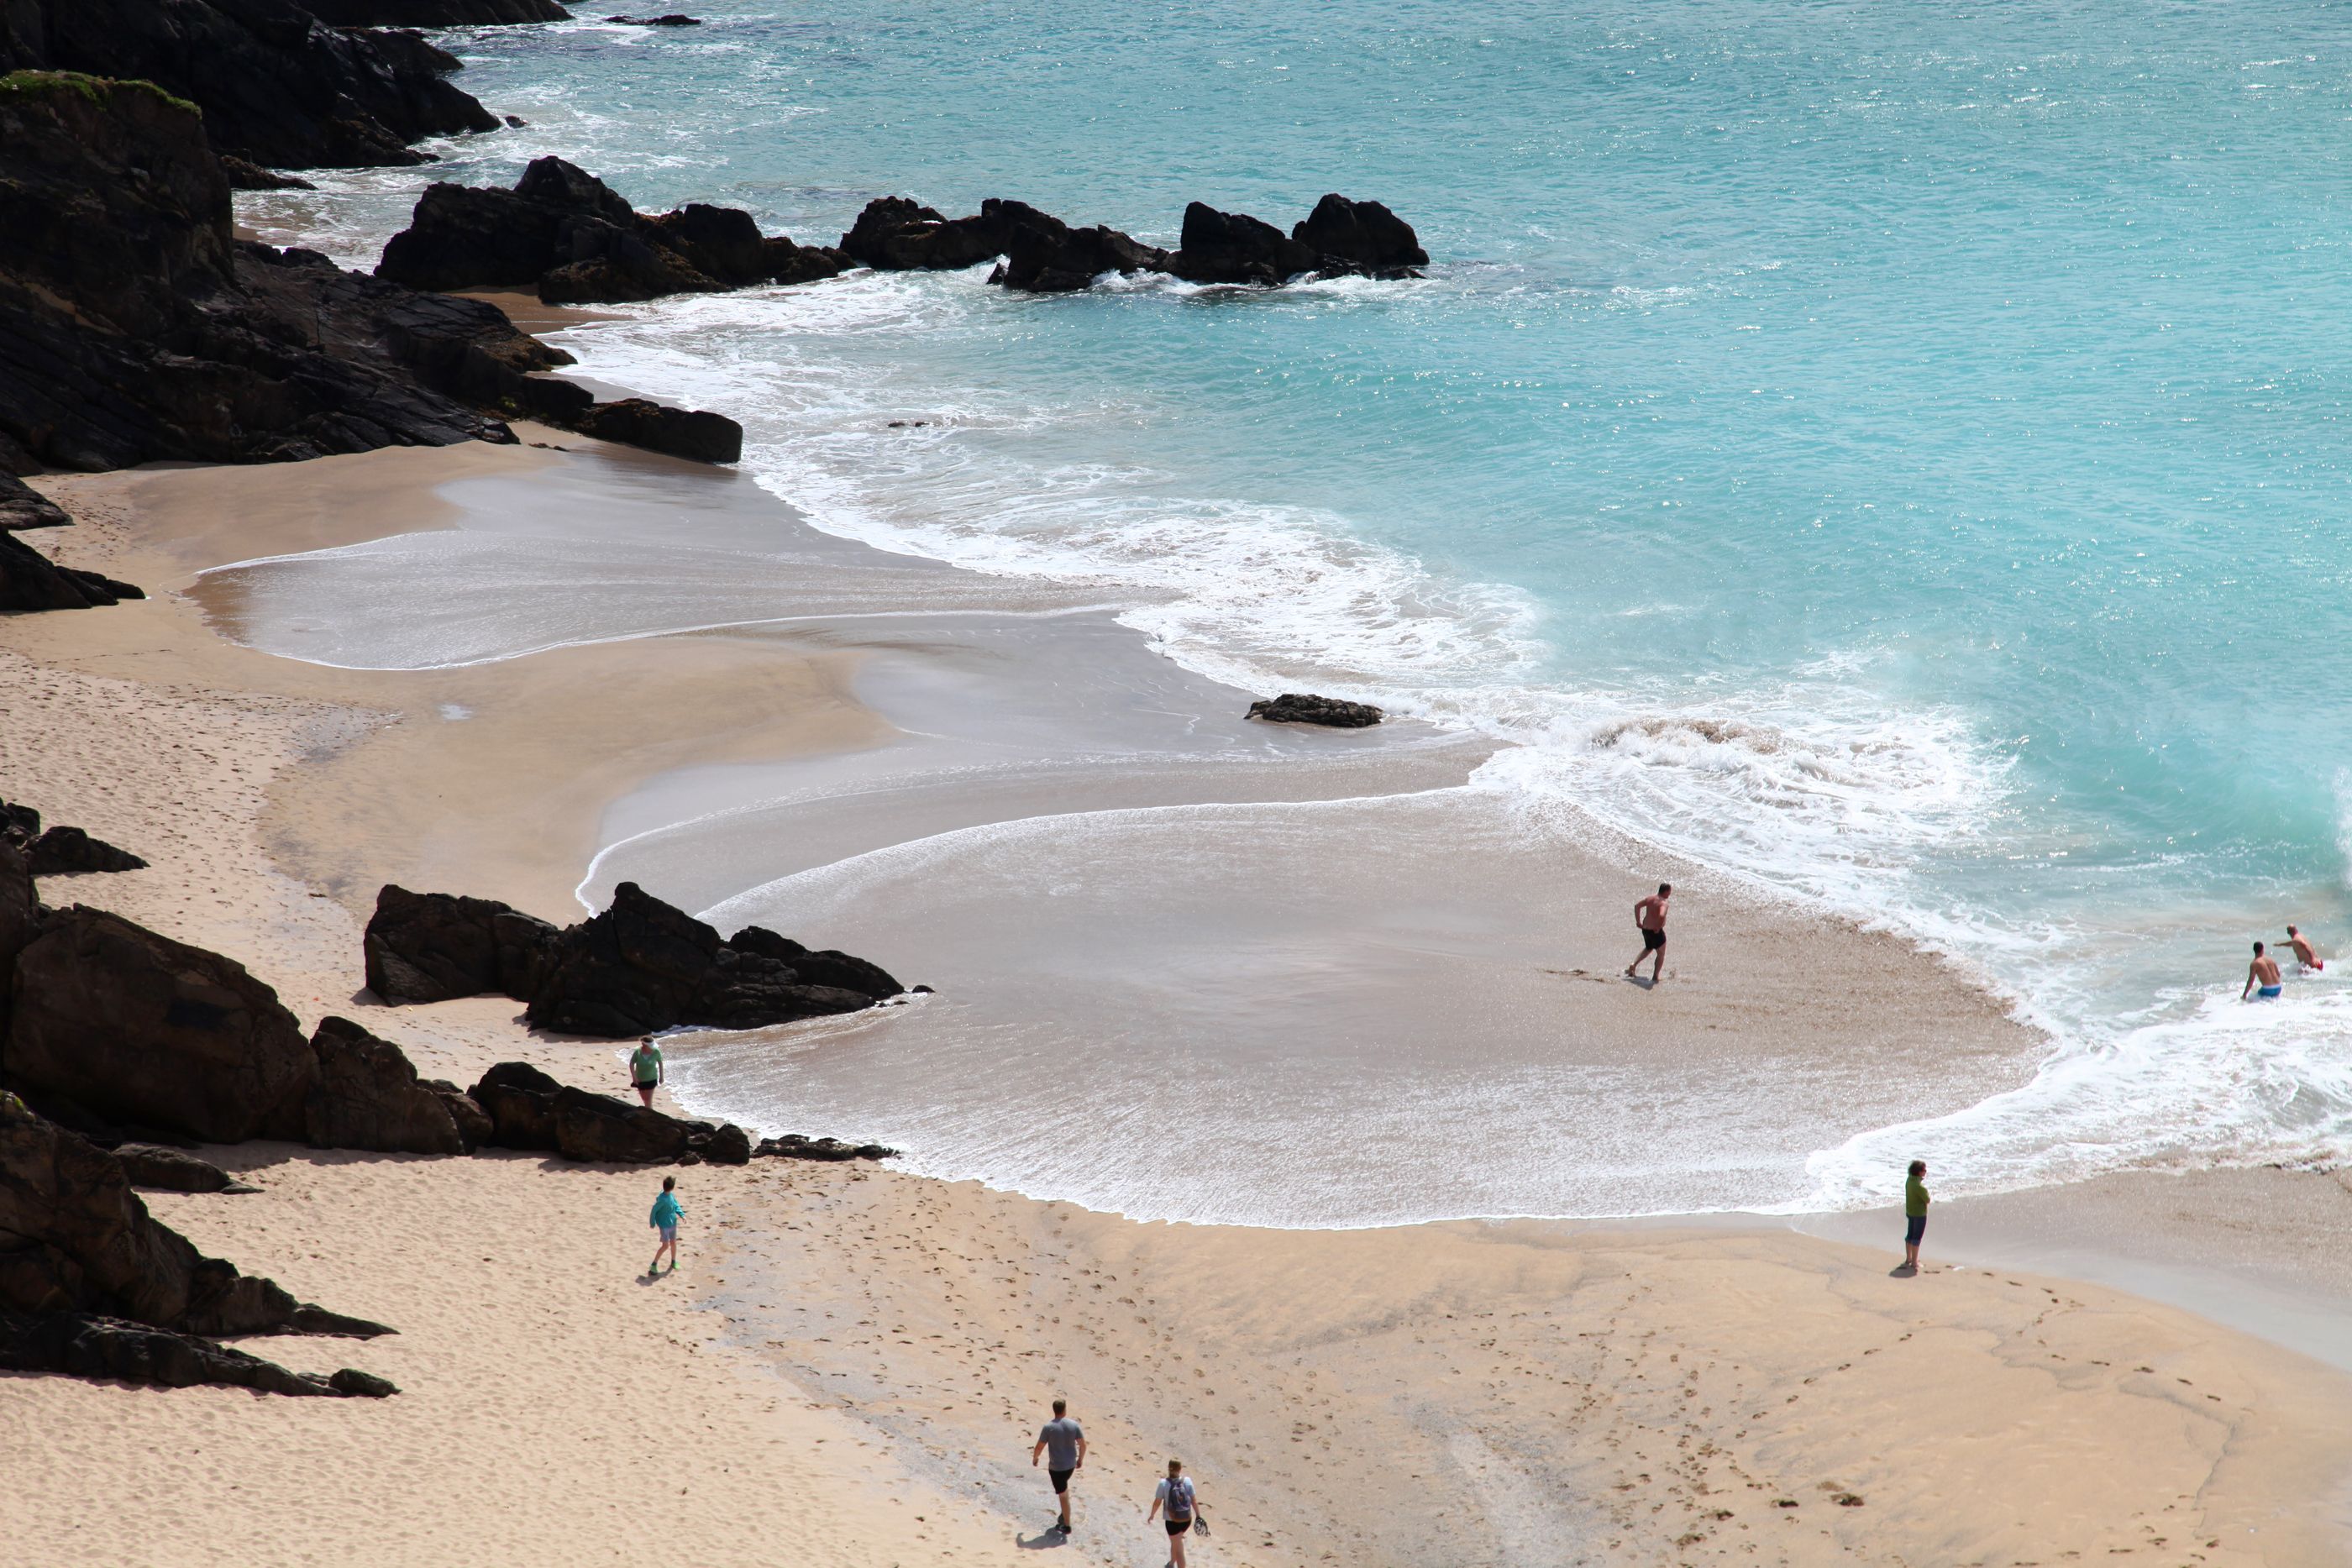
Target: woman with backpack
x,y
1176,1500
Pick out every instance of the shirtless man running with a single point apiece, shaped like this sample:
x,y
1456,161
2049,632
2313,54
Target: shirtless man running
x,y
1650,917
2262,972
2303,955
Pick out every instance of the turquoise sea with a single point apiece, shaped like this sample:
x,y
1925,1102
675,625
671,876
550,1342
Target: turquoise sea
x,y
1896,452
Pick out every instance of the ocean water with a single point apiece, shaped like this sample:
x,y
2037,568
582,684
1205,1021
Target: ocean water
x,y
1897,455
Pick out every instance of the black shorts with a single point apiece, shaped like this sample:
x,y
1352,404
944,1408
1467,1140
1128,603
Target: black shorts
x,y
1653,940
1179,1526
1915,1228
655,1084
1061,1477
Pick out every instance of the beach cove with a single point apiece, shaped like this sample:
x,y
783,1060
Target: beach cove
x,y
1519,1392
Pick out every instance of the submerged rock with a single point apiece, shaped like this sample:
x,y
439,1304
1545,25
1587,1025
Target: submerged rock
x,y
1296,707
793,1146
691,434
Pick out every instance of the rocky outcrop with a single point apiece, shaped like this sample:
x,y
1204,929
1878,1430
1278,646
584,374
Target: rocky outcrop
x,y
1360,237
643,966
20,920
1297,707
1234,247
141,1029
74,1238
80,1344
667,19
134,326
567,234
898,234
69,852
691,434
793,1146
1043,255
433,946
277,85
434,13
826,968
529,1110
31,581
22,506
175,1170
367,1096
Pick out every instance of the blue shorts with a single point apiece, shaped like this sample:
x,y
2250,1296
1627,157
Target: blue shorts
x,y
1915,1227
2273,992
669,1235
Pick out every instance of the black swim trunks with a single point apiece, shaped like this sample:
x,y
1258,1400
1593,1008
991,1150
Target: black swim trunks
x,y
1916,1228
1653,940
1179,1526
1061,1479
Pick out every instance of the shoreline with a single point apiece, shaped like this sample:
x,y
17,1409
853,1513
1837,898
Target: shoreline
x,y
1432,1357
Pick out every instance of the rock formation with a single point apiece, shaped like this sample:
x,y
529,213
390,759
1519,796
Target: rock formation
x,y
667,19
432,947
1234,247
87,1345
1297,707
67,852
793,1146
691,434
571,237
29,579
141,1029
175,1170
277,85
529,1110
368,1096
1361,237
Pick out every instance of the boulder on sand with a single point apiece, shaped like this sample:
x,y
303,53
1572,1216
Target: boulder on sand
x,y
691,434
142,1029
532,1111
175,1170
67,852
367,1096
31,581
1299,707
519,1101
433,946
96,1347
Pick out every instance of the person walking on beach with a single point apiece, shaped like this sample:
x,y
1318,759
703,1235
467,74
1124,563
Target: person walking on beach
x,y
666,1210
2263,974
1062,1439
646,1072
2303,953
1915,1215
1650,919
1176,1500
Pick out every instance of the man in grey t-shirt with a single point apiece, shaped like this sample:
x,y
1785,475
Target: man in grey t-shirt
x,y
1065,1447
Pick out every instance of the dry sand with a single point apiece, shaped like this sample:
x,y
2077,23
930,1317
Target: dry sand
x,y
851,1366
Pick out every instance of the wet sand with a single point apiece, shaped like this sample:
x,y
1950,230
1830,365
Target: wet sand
x,y
853,1362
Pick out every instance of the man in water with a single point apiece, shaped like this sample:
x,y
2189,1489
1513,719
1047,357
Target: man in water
x,y
2303,955
1066,1446
1650,919
2261,972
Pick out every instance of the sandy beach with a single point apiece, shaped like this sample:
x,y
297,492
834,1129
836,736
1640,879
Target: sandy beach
x,y
852,1362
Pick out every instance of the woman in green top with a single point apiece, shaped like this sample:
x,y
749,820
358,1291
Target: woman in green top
x,y
1914,1214
645,1069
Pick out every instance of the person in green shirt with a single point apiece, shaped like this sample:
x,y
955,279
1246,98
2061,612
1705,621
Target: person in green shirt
x,y
645,1069
667,1209
1914,1214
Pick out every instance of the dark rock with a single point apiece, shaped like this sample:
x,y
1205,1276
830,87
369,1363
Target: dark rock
x,y
793,1146
604,264
671,19
726,1144
433,946
790,263
1044,255
598,1128
367,1096
1234,247
746,990
66,852
351,1381
898,234
95,1128
20,917
244,176
517,121
1361,237
175,1170
81,1345
720,243
276,85
691,434
19,825
1295,708
133,327
30,581
143,1029
474,1125
828,967
75,1238
633,970
22,506
464,236
434,13
519,1101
